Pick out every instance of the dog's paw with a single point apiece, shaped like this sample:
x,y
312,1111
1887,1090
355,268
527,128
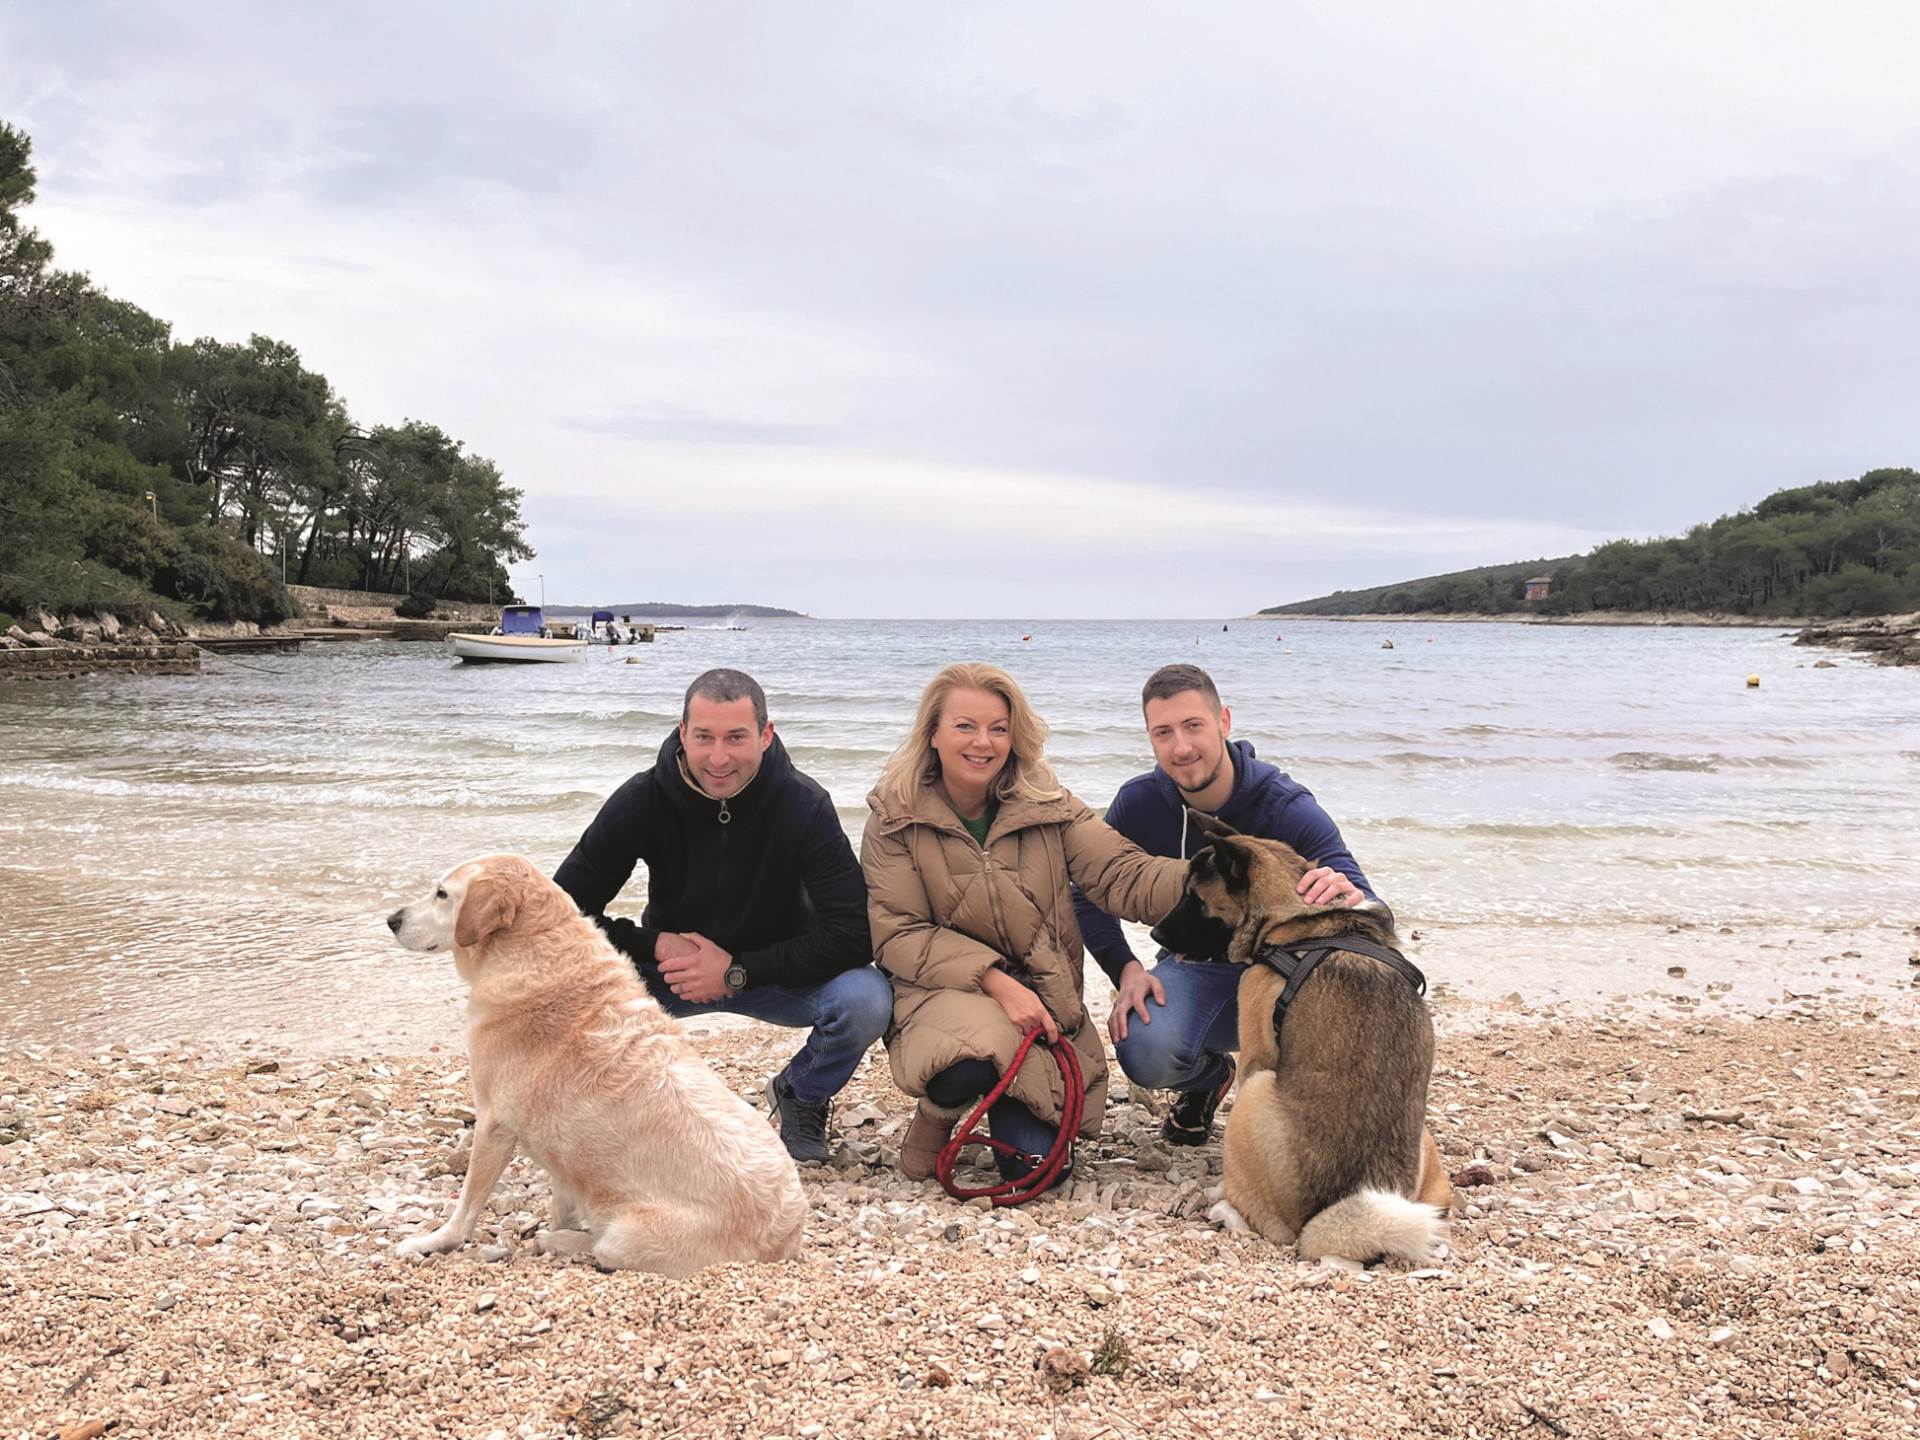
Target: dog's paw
x,y
1227,1218
563,1242
432,1242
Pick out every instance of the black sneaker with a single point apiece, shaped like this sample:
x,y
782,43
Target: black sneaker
x,y
1191,1122
803,1127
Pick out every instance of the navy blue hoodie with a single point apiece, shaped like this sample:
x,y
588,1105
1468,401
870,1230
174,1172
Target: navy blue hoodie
x,y
774,883
1151,812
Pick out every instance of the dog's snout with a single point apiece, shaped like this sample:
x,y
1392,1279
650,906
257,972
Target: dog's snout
x,y
393,921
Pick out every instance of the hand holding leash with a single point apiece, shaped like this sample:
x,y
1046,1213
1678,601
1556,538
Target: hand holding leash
x,y
1023,1007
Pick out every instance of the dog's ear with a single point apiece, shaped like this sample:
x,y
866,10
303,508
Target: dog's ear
x,y
1231,862
491,904
1211,825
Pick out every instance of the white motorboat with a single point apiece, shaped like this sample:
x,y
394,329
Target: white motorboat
x,y
521,635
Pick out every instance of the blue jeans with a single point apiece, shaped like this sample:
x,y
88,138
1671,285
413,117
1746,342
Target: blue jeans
x,y
1187,1044
846,1014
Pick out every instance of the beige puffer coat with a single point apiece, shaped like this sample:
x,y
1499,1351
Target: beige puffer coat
x,y
943,909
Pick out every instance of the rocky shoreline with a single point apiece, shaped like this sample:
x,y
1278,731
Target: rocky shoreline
x,y
1883,639
1662,1227
63,649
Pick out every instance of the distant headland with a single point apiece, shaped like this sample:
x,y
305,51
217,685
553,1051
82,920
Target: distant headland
x,y
1843,549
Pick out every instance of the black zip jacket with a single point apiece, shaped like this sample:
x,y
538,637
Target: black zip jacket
x,y
775,886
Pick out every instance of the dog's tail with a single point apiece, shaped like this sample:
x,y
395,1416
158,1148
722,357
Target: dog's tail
x,y
1370,1223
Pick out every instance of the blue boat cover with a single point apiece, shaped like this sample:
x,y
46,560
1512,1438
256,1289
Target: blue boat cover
x,y
603,617
520,620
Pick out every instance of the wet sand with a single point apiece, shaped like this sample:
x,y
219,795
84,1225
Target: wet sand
x,y
1670,1225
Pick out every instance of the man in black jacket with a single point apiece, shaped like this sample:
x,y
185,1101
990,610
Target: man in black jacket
x,y
755,904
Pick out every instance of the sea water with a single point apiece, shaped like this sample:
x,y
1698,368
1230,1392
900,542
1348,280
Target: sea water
x,y
1564,813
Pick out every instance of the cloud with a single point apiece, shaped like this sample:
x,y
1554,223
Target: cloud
x,y
1226,309
676,425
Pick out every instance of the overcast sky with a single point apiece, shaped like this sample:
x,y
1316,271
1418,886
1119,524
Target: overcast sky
x,y
1005,310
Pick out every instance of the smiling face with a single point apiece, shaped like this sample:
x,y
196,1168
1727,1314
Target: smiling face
x,y
1189,738
723,744
973,738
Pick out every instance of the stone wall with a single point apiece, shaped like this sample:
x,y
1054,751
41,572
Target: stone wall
x,y
316,598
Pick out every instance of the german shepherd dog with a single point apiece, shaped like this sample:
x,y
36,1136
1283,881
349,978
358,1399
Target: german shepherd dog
x,y
1327,1143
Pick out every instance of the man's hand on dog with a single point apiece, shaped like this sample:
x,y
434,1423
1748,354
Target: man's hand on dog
x,y
1131,998
1324,885
694,968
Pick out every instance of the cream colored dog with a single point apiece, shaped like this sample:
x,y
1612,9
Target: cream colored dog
x,y
660,1164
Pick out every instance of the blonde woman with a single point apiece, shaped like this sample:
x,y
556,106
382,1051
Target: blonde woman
x,y
968,857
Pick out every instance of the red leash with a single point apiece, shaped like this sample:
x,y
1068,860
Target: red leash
x,y
1058,1156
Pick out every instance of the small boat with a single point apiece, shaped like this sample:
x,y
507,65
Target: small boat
x,y
521,635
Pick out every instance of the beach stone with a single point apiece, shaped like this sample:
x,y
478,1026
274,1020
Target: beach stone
x,y
877,1305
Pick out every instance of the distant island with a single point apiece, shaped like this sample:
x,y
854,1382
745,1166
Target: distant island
x,y
657,609
1838,549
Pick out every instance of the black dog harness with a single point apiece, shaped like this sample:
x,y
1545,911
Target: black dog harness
x,y
1294,963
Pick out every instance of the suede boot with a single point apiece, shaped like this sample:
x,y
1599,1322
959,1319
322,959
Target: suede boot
x,y
920,1146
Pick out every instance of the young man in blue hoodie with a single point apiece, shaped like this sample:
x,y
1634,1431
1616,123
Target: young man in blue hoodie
x,y
1176,1027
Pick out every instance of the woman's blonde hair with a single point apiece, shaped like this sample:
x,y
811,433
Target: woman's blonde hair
x,y
1026,773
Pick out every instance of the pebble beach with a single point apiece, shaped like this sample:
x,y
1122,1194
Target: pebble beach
x,y
1663,1225
1668,932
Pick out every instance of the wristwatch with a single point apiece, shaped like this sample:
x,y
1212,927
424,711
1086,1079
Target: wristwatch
x,y
736,977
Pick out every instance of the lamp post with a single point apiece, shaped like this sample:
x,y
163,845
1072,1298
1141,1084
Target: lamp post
x,y
153,504
543,592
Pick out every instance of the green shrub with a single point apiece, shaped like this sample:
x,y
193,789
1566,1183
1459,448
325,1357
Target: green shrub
x,y
129,540
213,571
61,585
1854,590
416,606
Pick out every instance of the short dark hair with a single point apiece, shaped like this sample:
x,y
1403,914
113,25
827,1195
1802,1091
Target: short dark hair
x,y
1171,680
720,686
